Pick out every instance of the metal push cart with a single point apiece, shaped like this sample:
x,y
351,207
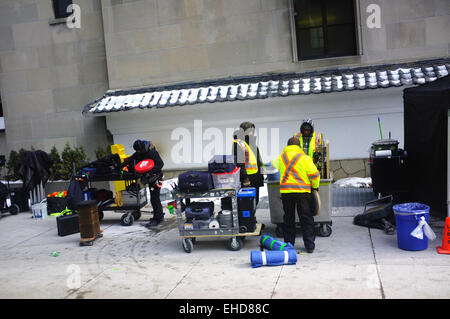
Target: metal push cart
x,y
189,236
322,221
132,211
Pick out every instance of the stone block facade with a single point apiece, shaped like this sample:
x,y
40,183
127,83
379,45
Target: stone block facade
x,y
48,71
186,40
350,168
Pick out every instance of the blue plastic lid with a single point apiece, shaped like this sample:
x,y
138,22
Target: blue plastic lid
x,y
273,177
411,208
247,192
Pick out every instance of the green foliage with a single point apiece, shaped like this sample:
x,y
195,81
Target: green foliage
x,y
55,171
101,152
62,164
13,164
70,157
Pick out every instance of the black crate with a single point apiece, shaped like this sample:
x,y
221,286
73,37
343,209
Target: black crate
x,y
389,176
19,197
246,213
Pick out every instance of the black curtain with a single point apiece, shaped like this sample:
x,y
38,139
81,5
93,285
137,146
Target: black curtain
x,y
34,168
426,141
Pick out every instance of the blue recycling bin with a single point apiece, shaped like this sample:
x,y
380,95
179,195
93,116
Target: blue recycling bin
x,y
407,217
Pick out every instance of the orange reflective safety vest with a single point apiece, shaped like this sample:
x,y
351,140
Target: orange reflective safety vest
x,y
316,140
251,163
297,171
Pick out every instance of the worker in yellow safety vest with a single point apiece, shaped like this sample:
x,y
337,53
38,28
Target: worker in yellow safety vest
x,y
298,176
310,141
248,157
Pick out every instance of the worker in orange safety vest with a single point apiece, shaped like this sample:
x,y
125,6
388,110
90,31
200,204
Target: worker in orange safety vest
x,y
298,177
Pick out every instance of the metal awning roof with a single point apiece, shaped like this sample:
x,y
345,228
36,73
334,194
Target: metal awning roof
x,y
267,86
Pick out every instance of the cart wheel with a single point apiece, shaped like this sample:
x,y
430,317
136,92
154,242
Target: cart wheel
x,y
324,230
14,209
127,219
243,229
137,214
235,244
100,215
188,246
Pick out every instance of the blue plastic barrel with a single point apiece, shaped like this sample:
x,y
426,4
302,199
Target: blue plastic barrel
x,y
272,173
407,217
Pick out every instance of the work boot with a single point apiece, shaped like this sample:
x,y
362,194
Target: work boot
x,y
154,222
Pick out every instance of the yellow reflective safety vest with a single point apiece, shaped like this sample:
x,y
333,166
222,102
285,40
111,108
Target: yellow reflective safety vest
x,y
297,171
251,163
316,140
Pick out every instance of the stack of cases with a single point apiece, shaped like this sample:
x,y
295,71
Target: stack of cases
x,y
195,181
224,172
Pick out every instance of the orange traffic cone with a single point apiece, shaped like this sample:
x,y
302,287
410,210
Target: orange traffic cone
x,y
445,248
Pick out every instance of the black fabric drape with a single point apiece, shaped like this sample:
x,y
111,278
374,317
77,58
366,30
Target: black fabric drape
x,y
426,141
34,168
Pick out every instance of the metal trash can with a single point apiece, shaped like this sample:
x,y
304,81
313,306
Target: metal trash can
x,y
323,220
89,223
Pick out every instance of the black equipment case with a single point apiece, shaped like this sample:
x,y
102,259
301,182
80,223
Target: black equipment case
x,y
246,199
221,164
67,224
200,210
195,181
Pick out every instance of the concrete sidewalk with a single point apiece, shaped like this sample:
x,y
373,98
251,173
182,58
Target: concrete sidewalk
x,y
134,262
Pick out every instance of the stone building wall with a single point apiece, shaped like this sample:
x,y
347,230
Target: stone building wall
x,y
154,42
350,168
48,72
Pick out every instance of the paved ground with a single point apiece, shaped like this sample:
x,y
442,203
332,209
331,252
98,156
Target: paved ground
x,y
134,262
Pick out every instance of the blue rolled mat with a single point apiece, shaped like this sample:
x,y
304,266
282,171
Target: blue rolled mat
x,y
271,243
273,258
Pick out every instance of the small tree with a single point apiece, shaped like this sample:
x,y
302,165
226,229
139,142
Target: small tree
x,y
55,171
13,164
101,152
70,156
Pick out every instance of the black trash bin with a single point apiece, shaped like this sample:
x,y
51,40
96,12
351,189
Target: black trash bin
x,y
388,169
20,197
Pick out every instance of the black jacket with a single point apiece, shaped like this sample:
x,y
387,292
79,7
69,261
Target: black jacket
x,y
152,154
